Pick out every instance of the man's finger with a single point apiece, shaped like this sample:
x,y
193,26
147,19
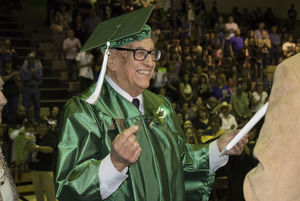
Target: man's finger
x,y
136,155
131,138
134,146
131,143
127,133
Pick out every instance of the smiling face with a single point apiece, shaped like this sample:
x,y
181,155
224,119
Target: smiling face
x,y
131,75
187,124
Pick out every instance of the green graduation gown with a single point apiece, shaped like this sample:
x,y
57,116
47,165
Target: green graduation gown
x,y
168,169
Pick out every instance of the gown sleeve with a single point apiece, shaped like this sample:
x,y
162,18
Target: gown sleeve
x,y
195,164
78,153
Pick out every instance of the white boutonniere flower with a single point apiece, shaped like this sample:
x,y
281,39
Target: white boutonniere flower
x,y
159,116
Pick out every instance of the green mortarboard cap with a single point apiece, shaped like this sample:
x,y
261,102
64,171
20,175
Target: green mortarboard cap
x,y
121,30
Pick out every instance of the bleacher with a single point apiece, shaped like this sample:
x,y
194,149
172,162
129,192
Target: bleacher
x,y
54,89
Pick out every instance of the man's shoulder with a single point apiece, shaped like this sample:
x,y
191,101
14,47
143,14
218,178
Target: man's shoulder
x,y
153,100
155,97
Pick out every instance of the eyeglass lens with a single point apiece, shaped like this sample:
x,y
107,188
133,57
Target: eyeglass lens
x,y
141,54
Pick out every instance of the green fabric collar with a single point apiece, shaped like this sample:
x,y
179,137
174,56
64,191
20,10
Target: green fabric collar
x,y
109,97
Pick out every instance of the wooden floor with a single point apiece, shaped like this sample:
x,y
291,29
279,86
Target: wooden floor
x,y
30,198
25,187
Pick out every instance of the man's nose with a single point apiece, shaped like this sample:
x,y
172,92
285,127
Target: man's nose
x,y
149,60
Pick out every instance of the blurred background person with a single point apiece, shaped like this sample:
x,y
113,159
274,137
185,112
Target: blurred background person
x,y
31,77
11,90
71,47
85,62
8,190
42,168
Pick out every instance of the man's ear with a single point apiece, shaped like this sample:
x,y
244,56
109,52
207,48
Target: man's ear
x,y
112,60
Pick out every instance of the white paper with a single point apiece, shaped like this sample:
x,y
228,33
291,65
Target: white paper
x,y
253,121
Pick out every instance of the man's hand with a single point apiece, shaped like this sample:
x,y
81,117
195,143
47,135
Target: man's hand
x,y
125,149
225,139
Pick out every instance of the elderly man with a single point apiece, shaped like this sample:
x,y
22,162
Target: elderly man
x,y
128,144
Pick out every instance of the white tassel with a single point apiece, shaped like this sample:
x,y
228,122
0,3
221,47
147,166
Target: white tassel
x,y
95,95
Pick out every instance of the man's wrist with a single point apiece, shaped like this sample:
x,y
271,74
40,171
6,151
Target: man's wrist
x,y
109,177
120,166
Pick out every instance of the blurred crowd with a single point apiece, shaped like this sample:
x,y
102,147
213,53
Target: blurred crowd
x,y
216,68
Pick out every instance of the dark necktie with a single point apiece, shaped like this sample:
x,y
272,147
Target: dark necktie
x,y
136,102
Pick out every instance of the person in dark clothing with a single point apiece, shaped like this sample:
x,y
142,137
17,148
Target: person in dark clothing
x,y
214,130
257,62
292,17
31,76
8,191
275,46
201,122
42,168
10,90
53,119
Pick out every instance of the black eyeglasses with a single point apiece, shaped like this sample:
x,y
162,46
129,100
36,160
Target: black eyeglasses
x,y
142,54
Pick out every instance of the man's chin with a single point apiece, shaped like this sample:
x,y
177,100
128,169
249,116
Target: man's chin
x,y
145,84
145,87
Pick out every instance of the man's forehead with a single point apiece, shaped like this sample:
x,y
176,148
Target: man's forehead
x,y
146,44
